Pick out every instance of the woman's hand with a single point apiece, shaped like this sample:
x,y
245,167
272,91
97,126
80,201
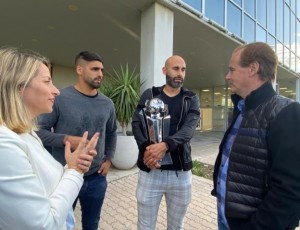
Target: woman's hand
x,y
83,155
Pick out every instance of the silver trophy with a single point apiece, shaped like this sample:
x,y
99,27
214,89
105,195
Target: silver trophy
x,y
158,124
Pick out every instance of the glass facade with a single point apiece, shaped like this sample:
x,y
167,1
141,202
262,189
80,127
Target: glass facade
x,y
279,19
215,105
276,22
259,20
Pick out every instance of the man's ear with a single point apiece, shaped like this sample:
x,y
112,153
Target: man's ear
x,y
254,67
164,70
78,69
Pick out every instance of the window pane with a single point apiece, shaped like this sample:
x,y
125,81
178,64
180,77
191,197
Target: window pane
x,y
293,5
293,61
219,92
249,6
286,26
279,51
298,65
298,9
271,20
214,9
271,41
196,4
234,19
279,23
261,12
206,98
298,39
287,87
261,34
249,31
286,57
239,2
293,33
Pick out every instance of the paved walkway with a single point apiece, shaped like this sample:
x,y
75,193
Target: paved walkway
x,y
119,209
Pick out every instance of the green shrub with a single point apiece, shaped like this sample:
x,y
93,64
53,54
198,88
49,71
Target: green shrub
x,y
203,170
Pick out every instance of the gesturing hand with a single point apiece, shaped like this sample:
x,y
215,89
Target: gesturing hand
x,y
82,157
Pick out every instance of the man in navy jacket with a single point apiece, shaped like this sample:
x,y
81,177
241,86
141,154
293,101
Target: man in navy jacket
x,y
257,176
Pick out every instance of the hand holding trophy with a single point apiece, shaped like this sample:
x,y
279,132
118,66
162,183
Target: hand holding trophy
x,y
158,124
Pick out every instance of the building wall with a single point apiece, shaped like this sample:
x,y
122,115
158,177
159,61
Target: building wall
x,y
63,76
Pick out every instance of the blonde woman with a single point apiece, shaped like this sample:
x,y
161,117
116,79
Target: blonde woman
x,y
36,192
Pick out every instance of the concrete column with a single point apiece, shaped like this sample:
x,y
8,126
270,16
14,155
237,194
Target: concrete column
x,y
156,43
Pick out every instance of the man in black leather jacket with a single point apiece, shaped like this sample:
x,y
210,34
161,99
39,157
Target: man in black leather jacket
x,y
257,176
172,180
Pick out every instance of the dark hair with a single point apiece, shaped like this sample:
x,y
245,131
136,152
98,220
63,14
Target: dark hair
x,y
264,55
88,56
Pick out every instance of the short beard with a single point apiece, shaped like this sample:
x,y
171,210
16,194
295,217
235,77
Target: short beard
x,y
95,86
92,85
171,82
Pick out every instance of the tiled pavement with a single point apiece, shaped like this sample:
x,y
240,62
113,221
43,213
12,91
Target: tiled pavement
x,y
119,209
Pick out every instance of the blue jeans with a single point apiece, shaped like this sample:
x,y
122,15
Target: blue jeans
x,y
91,197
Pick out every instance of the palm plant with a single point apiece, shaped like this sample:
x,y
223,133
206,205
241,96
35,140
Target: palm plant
x,y
122,86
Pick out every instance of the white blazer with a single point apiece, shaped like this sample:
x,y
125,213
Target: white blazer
x,y
36,192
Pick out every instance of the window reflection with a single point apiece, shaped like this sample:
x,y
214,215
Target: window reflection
x,y
261,34
219,107
206,98
261,12
287,87
196,4
293,5
214,9
249,33
234,19
298,39
279,22
239,2
215,103
271,41
286,26
293,62
298,9
293,32
279,51
297,65
249,6
271,20
286,56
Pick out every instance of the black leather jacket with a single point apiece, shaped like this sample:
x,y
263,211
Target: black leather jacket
x,y
263,178
180,141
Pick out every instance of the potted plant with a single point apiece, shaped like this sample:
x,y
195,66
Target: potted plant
x,y
122,86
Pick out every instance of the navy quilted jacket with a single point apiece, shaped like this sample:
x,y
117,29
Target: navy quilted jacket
x,y
263,180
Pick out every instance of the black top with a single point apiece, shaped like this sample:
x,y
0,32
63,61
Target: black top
x,y
174,109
